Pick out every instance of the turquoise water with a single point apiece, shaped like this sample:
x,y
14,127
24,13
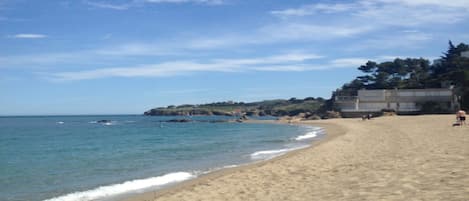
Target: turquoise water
x,y
77,158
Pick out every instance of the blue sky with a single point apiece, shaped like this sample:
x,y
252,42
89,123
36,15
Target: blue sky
x,y
127,56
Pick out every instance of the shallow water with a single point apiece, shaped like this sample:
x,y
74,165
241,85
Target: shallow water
x,y
77,158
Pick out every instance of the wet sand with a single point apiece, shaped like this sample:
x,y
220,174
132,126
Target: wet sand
x,y
387,158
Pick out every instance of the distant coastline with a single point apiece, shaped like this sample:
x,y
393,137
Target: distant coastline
x,y
310,108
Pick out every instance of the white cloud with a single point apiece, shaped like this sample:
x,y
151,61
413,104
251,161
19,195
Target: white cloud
x,y
350,21
135,52
152,70
285,62
282,32
217,42
136,3
352,62
305,31
383,58
39,60
9,19
94,56
277,63
100,4
311,9
439,3
210,2
410,31
29,36
332,64
396,14
134,49
387,12
358,18
403,40
268,60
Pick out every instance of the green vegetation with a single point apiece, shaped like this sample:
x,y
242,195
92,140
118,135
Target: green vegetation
x,y
415,73
279,107
451,69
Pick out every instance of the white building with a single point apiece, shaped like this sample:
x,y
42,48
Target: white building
x,y
465,54
398,100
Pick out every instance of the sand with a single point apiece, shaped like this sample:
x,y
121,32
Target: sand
x,y
387,158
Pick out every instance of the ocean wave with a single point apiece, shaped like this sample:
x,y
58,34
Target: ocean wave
x,y
126,187
216,169
269,154
306,136
105,123
313,132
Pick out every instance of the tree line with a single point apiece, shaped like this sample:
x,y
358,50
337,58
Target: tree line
x,y
452,69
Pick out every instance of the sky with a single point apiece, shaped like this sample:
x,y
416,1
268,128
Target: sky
x,y
127,56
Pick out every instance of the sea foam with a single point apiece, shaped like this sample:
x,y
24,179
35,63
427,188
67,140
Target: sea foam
x,y
126,187
308,135
269,154
314,132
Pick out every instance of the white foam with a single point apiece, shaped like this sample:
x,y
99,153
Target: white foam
x,y
269,154
230,166
126,187
60,122
216,169
306,136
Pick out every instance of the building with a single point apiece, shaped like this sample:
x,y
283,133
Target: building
x,y
401,101
437,62
465,54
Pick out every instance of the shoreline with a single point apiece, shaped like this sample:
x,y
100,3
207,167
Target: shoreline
x,y
332,131
387,158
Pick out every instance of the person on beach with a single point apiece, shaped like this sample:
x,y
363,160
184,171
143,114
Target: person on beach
x,y
461,117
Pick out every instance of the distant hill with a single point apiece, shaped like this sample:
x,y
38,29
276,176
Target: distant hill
x,y
280,107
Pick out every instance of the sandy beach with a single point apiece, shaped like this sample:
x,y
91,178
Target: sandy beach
x,y
386,158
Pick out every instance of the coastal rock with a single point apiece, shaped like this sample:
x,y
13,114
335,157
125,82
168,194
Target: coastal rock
x,y
103,121
179,120
262,113
252,113
331,115
221,113
285,118
217,121
312,117
301,115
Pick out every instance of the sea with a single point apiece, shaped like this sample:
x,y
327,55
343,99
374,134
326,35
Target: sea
x,y
81,158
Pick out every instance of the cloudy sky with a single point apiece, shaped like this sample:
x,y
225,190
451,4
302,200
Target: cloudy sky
x,y
127,56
